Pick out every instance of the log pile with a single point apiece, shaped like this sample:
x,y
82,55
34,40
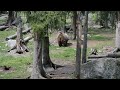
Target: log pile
x,y
24,42
15,35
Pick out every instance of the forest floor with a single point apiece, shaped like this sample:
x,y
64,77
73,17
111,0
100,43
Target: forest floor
x,y
67,72
20,65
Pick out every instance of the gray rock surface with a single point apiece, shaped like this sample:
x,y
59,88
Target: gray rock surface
x,y
103,68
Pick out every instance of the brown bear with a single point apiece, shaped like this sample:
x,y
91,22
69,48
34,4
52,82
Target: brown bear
x,y
62,39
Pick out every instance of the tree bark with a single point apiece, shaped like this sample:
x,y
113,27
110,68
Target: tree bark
x,y
78,47
46,57
16,12
106,23
113,20
19,41
47,63
11,18
85,27
74,24
117,42
19,38
65,23
38,71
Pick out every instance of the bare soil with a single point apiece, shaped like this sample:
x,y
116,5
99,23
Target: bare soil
x,y
6,69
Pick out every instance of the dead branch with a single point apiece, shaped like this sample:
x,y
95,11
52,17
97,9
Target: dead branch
x,y
15,35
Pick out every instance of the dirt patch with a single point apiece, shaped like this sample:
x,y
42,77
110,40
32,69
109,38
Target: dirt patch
x,y
24,54
65,72
6,69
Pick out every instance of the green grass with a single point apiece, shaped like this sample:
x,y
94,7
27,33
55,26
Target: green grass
x,y
99,37
65,53
3,21
19,66
100,31
20,63
3,35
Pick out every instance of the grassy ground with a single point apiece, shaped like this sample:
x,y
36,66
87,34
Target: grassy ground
x,y
20,63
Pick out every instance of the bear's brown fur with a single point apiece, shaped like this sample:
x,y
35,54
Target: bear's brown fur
x,y
62,39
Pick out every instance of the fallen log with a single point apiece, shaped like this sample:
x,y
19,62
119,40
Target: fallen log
x,y
24,43
27,39
3,24
110,55
114,55
2,28
15,35
97,56
26,31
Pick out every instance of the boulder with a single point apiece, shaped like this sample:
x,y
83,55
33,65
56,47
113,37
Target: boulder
x,y
103,68
11,43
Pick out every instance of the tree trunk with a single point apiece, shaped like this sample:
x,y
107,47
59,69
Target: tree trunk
x,y
47,63
117,42
78,47
38,71
106,23
46,57
65,23
113,20
85,28
19,41
11,18
16,14
74,24
19,38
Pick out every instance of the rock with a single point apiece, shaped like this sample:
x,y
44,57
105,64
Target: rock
x,y
11,43
103,68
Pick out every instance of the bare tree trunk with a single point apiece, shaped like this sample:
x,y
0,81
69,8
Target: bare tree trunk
x,y
19,38
113,20
16,12
106,24
85,30
38,71
65,23
19,41
117,42
11,18
78,47
46,56
74,24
